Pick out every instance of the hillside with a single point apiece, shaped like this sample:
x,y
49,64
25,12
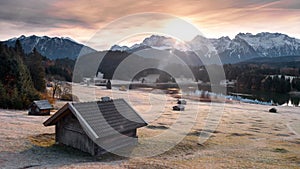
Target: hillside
x,y
17,87
52,48
279,62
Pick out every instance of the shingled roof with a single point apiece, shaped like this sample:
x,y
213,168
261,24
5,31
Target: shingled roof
x,y
102,118
42,104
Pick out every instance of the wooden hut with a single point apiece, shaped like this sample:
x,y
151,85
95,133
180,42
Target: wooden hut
x,y
96,127
40,107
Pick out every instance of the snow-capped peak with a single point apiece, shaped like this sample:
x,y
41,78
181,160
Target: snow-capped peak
x,y
22,37
201,43
67,38
275,44
119,48
164,43
51,47
155,42
12,39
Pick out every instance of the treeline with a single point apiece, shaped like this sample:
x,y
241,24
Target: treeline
x,y
253,77
23,76
262,78
278,83
59,69
249,76
17,88
163,77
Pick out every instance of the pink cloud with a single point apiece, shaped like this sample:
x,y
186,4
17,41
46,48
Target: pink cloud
x,y
80,19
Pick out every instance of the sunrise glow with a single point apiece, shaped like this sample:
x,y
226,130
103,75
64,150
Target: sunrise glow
x,y
80,20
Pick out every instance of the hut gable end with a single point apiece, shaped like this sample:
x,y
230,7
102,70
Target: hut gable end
x,y
40,107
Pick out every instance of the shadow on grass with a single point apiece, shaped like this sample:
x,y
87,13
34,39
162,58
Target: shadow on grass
x,y
280,150
157,127
205,132
241,134
42,151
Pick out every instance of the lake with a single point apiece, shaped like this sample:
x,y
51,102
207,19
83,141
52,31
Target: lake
x,y
277,98
267,97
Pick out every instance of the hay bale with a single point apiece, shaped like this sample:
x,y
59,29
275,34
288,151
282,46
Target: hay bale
x,y
181,101
178,108
273,110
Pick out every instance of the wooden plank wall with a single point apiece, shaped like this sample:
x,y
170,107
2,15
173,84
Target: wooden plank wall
x,y
69,132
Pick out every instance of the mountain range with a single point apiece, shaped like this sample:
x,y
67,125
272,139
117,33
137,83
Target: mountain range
x,y
52,48
242,47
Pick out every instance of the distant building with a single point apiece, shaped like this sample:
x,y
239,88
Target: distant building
x,y
86,80
96,127
40,107
183,79
150,78
228,82
98,79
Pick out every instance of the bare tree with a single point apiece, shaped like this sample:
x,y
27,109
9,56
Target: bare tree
x,y
56,88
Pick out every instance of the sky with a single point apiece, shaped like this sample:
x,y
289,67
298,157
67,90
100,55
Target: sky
x,y
82,20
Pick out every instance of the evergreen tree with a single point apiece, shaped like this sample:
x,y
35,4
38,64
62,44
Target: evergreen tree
x,y
287,85
19,49
16,87
266,84
37,71
296,84
3,96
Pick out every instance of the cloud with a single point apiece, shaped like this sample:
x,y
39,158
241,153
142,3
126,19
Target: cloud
x,y
287,4
81,18
25,12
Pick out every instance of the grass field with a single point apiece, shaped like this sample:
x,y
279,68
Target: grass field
x,y
246,136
